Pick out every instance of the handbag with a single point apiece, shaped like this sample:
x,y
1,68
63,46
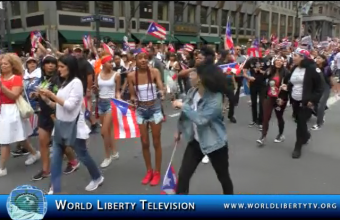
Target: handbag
x,y
65,132
25,108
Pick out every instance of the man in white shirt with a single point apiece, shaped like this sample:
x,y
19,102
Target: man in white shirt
x,y
337,63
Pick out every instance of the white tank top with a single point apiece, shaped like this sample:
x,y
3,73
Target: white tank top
x,y
145,94
107,88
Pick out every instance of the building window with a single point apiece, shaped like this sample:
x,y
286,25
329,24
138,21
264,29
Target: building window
x,y
310,12
121,9
15,6
286,4
33,21
71,20
191,13
241,20
232,18
320,10
265,18
248,21
179,11
275,18
204,14
32,6
105,8
213,16
224,18
73,6
16,23
163,7
145,9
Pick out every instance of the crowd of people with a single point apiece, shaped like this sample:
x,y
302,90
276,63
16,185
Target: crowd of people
x,y
60,88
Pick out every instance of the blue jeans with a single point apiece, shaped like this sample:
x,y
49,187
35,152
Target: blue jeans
x,y
83,156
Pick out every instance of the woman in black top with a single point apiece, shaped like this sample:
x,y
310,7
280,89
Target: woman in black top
x,y
321,62
305,87
257,68
275,97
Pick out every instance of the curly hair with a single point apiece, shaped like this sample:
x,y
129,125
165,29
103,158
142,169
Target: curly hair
x,y
15,62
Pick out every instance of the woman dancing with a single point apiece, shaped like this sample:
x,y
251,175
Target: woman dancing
x,y
275,98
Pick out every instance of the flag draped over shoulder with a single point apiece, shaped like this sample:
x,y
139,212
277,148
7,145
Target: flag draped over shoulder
x,y
124,120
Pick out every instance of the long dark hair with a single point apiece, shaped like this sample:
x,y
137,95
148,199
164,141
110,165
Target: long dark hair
x,y
72,64
212,78
209,54
46,60
85,69
282,71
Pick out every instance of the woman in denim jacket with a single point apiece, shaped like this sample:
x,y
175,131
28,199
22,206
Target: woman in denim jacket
x,y
201,123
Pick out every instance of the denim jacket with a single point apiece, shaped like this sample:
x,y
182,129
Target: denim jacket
x,y
208,119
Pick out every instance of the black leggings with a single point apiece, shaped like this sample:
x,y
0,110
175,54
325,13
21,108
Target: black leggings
x,y
192,158
303,113
256,91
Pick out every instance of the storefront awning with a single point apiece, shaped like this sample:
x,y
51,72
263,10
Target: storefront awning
x,y
19,38
76,36
188,39
148,38
211,40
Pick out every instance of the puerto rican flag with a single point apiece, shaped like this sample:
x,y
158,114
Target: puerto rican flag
x,y
228,41
87,41
108,49
169,184
127,46
157,31
35,37
189,47
124,120
34,124
231,67
254,52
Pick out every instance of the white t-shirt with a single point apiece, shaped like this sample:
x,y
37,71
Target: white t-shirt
x,y
337,59
196,99
297,80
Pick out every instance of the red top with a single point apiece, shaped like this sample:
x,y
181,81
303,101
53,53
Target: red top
x,y
10,83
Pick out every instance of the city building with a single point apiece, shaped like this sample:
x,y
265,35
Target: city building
x,y
279,18
192,22
323,20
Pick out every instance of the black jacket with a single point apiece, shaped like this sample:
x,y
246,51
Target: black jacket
x,y
284,79
313,83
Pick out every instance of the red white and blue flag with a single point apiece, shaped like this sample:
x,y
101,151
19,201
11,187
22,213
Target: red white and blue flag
x,y
169,184
157,31
189,47
87,41
124,120
228,42
254,52
231,67
108,49
35,37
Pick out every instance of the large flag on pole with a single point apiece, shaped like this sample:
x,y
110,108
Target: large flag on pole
x,y
157,31
228,42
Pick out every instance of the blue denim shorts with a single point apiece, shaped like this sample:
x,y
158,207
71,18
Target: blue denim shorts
x,y
104,106
151,113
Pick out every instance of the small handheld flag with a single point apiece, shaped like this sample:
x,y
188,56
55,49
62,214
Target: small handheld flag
x,y
124,120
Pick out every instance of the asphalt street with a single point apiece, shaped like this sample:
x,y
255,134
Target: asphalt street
x,y
254,170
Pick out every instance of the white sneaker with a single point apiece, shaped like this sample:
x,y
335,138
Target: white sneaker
x,y
3,172
115,156
32,158
106,162
50,192
316,127
205,159
94,184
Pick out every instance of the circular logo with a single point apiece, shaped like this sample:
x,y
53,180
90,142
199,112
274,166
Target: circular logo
x,y
26,203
